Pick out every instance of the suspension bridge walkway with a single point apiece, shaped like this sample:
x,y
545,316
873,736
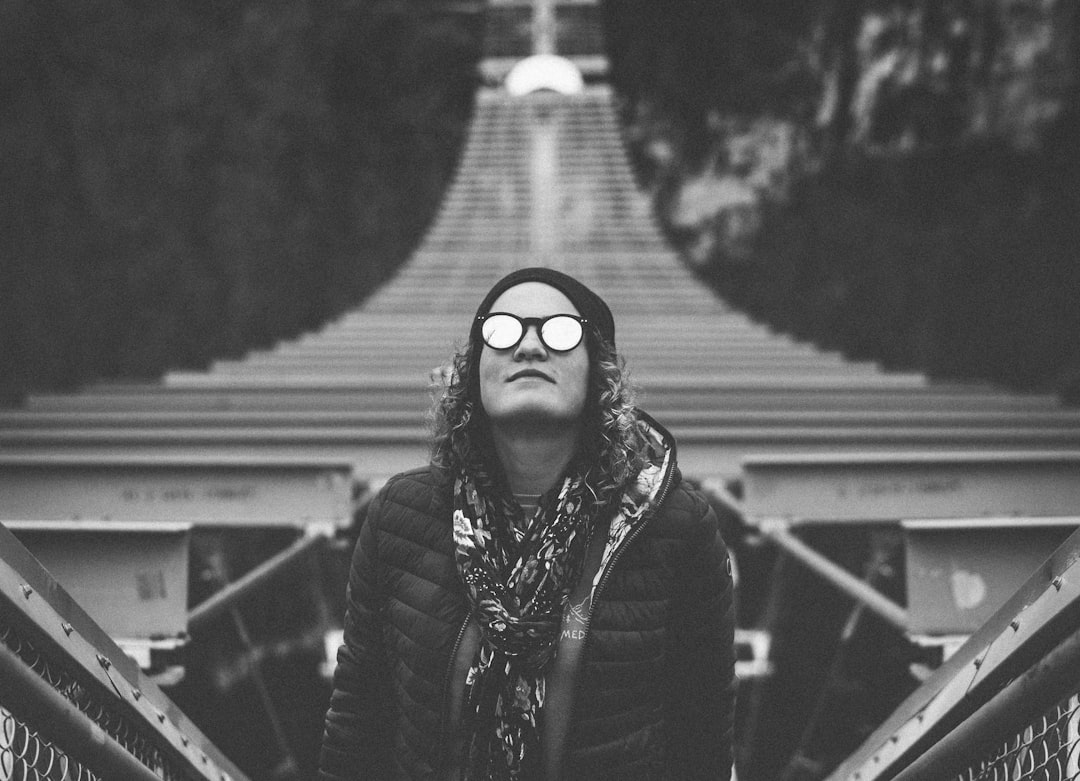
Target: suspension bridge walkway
x,y
784,437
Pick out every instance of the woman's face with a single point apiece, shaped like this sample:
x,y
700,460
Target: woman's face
x,y
529,383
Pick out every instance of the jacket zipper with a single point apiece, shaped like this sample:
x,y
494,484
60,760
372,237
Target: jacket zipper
x,y
444,737
660,497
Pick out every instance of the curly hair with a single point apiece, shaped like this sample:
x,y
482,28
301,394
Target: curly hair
x,y
612,448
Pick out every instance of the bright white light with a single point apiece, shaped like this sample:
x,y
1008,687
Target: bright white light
x,y
544,71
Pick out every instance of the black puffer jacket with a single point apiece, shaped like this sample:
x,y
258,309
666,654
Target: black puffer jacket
x,y
655,693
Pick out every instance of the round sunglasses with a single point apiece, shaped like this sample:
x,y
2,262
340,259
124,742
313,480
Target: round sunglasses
x,y
558,333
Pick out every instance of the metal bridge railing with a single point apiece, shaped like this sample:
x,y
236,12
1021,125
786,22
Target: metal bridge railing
x,y
1005,706
1049,749
24,753
72,705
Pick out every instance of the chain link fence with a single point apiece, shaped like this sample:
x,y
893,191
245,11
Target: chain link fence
x,y
1046,750
27,756
81,694
73,705
1005,706
27,753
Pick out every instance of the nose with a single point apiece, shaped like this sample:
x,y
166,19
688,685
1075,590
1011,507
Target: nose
x,y
530,345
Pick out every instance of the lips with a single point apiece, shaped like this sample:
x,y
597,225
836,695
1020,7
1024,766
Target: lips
x,y
529,373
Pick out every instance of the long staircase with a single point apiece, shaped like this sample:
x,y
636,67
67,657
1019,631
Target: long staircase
x,y
544,180
296,436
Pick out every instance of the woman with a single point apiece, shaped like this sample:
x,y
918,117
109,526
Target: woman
x,y
546,600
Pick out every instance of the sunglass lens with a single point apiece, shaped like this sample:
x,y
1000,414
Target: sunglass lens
x,y
501,331
562,333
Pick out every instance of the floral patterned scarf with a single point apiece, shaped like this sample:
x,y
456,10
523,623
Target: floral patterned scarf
x,y
518,573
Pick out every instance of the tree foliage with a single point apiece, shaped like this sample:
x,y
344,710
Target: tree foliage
x,y
187,180
895,178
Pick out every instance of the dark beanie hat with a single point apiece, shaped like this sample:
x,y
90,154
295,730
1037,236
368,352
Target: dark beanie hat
x,y
590,305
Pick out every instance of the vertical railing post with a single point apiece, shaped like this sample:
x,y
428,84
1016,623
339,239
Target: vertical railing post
x,y
543,27
7,738
1072,769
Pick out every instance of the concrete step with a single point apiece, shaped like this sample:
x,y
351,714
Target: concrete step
x,y
120,399
40,423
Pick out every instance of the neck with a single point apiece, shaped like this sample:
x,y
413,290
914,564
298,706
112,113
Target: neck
x,y
534,458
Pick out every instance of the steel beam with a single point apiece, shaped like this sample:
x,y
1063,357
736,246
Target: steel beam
x,y
71,639
35,702
1022,702
889,487
720,380
229,596
210,490
686,429
961,570
1013,644
379,459
132,578
111,400
36,423
703,453
840,578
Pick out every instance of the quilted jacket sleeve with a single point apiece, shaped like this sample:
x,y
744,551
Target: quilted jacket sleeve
x,y
702,700
357,738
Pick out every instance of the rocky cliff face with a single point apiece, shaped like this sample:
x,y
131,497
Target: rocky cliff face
x,y
884,79
896,179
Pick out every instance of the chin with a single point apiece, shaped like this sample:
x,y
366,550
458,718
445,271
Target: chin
x,y
533,415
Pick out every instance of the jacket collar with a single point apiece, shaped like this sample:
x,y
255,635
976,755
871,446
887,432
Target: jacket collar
x,y
641,498
650,486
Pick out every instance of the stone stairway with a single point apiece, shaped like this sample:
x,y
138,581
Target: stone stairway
x,y
294,437
543,180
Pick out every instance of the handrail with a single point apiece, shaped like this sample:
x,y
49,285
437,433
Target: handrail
x,y
34,701
1022,701
837,576
1019,645
274,567
47,642
817,563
